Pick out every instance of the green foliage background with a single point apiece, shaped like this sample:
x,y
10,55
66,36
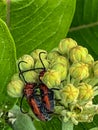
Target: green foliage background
x,y
29,24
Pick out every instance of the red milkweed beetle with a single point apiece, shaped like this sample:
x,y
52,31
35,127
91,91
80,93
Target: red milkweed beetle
x,y
47,95
33,99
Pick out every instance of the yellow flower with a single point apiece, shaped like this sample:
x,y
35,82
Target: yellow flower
x,y
69,93
85,92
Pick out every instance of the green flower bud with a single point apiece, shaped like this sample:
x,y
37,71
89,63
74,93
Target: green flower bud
x,y
89,59
69,93
15,77
35,54
79,70
60,59
91,73
95,68
66,45
29,62
38,64
62,69
31,76
15,88
85,92
52,55
51,78
78,53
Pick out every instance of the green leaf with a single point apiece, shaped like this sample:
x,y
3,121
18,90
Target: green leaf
x,y
21,121
3,10
39,23
84,30
83,126
7,63
67,126
53,124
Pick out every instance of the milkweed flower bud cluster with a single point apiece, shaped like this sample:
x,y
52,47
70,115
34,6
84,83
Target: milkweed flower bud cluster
x,y
72,70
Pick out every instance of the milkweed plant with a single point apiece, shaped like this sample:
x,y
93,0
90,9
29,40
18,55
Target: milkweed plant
x,y
69,68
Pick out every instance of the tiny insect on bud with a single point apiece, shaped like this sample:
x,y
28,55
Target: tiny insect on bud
x,y
66,44
28,62
31,76
78,53
35,54
69,93
15,88
51,78
79,70
85,92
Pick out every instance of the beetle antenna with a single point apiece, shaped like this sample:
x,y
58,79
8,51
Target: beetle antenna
x,y
41,59
21,105
20,72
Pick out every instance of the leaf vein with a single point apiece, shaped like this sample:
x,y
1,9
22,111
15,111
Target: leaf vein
x,y
23,7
